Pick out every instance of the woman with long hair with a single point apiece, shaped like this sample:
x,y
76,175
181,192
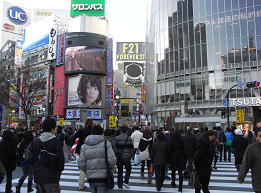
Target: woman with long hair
x,y
177,158
159,159
203,161
145,142
26,167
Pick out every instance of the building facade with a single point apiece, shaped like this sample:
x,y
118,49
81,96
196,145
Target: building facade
x,y
196,51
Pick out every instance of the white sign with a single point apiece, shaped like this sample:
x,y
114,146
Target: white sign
x,y
72,113
94,114
52,44
241,102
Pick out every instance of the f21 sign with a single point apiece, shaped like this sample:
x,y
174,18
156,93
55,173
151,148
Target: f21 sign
x,y
130,51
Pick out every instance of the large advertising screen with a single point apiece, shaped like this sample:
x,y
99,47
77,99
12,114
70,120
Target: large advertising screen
x,y
84,58
37,34
85,90
130,51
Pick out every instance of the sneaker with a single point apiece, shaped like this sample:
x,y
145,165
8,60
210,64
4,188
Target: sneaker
x,y
215,167
126,185
120,189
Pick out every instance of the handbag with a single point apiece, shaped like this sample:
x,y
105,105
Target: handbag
x,y
110,177
151,170
194,179
144,155
136,157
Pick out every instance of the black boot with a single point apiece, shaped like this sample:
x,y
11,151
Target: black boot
x,y
29,187
18,187
180,181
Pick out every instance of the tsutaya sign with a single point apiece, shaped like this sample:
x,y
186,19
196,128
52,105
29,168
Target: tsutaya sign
x,y
87,7
241,102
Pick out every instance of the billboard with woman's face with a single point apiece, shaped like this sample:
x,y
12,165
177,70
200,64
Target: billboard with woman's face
x,y
85,90
84,58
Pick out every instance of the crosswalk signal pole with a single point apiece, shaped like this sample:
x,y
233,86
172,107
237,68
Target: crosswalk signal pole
x,y
228,104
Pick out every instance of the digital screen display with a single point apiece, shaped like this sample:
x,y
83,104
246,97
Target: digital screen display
x,y
83,59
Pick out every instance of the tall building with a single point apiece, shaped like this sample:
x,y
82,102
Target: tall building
x,y
196,52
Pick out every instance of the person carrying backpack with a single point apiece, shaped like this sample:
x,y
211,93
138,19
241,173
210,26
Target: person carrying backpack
x,y
26,166
228,136
214,143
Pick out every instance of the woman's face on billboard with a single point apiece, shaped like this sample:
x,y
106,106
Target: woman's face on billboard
x,y
92,93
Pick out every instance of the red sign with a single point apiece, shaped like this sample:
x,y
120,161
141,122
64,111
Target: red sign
x,y
61,49
50,88
59,90
142,92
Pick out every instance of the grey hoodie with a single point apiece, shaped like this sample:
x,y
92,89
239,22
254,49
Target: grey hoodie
x,y
46,136
92,158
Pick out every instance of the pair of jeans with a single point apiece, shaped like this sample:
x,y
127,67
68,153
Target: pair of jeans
x,y
159,176
227,149
143,165
27,171
98,187
48,188
189,164
204,181
126,162
8,184
220,148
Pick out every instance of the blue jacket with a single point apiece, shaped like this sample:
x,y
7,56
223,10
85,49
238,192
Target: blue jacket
x,y
228,136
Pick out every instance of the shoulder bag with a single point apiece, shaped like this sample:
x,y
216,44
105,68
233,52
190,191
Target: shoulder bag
x,y
110,177
194,179
136,157
144,155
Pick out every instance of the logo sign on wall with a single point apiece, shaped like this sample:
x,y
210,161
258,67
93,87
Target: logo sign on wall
x,y
130,51
52,44
87,7
94,114
133,73
17,15
72,113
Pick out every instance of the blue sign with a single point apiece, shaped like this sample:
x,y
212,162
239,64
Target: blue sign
x,y
94,114
17,15
225,103
73,114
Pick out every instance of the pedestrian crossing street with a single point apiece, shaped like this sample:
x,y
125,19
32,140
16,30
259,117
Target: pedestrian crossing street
x,y
224,179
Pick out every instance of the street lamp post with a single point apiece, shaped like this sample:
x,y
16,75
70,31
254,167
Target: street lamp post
x,y
117,96
228,104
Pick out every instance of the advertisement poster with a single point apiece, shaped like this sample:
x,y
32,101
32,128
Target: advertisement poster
x,y
87,92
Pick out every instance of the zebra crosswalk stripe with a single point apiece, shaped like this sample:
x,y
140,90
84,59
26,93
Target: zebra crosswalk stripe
x,y
224,179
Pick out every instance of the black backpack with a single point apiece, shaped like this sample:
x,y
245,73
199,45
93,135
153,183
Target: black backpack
x,y
27,154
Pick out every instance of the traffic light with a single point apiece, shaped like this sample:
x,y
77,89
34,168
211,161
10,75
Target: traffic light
x,y
252,84
223,114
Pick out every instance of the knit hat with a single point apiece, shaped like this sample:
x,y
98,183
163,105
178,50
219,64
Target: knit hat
x,y
238,132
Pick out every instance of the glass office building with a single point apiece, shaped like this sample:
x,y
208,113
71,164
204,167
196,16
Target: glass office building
x,y
197,50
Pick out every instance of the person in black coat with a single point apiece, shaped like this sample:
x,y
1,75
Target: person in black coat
x,y
203,161
47,178
26,167
177,157
239,143
8,157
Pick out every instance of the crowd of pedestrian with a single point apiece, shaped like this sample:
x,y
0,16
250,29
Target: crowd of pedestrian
x,y
166,151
